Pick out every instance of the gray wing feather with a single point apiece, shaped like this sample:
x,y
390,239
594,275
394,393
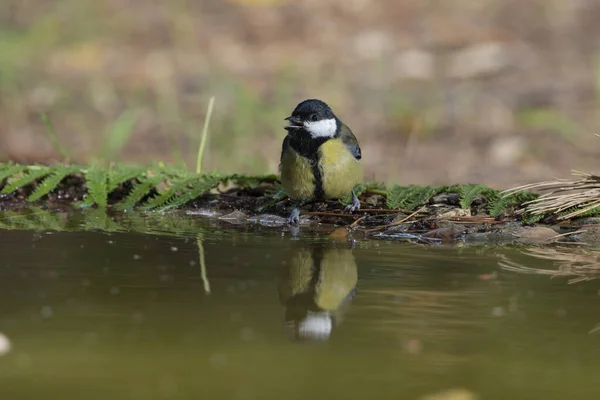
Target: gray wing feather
x,y
351,142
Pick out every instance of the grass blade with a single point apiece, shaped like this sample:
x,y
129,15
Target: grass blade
x,y
204,135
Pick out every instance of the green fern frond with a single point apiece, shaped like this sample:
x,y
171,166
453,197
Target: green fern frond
x,y
143,188
499,204
96,181
468,193
531,219
14,220
99,219
117,175
395,196
25,220
193,190
10,169
417,196
170,193
188,188
410,197
171,171
24,178
41,219
588,213
51,181
48,220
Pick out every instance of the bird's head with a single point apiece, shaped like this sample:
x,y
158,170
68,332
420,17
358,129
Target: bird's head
x,y
315,117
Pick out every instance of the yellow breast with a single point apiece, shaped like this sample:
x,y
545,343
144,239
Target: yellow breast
x,y
297,176
340,170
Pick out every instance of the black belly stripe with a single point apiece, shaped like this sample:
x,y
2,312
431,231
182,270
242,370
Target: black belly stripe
x,y
319,191
317,257
308,147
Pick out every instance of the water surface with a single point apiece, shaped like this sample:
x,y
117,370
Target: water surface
x,y
270,315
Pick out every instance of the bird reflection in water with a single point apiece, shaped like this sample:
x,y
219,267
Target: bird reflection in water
x,y
316,287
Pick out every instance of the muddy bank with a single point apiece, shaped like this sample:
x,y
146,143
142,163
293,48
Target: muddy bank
x,y
439,220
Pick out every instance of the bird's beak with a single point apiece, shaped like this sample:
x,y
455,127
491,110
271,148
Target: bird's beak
x,y
295,123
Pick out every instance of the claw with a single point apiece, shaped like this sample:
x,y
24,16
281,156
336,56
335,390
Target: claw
x,y
294,217
355,204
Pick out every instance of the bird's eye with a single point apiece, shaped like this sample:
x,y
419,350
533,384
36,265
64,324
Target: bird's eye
x,y
314,117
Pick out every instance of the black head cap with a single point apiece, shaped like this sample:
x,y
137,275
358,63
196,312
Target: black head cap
x,y
312,110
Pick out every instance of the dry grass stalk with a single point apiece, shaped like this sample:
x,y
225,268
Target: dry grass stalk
x,y
584,195
582,264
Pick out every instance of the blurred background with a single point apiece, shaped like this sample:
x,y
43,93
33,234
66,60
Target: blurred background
x,y
499,92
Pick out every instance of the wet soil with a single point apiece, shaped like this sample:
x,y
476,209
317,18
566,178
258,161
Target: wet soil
x,y
440,221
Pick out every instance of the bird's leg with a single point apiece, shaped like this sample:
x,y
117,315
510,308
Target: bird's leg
x,y
294,216
355,203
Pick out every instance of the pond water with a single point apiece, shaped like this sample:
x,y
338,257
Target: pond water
x,y
267,313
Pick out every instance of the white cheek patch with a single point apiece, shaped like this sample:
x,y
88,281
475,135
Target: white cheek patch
x,y
322,128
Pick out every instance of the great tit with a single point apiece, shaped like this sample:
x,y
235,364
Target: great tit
x,y
320,157
316,288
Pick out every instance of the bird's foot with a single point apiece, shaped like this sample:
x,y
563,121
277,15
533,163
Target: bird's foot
x,y
294,217
355,204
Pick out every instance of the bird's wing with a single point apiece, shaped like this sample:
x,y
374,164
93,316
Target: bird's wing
x,y
284,148
351,142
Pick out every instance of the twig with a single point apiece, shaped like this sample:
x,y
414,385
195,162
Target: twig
x,y
328,214
565,234
352,225
397,222
385,210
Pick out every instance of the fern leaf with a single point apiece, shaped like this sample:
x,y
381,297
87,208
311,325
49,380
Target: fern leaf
x,y
499,205
417,196
468,193
14,220
96,180
99,219
410,197
40,219
172,171
10,169
51,182
579,211
30,175
164,196
139,191
48,220
395,196
20,220
121,174
197,189
189,187
531,219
